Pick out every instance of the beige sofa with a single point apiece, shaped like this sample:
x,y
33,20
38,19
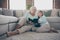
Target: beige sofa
x,y
8,23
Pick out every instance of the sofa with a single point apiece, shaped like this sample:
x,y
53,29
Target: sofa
x,y
10,18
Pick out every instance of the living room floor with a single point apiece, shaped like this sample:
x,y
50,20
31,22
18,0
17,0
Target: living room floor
x,y
35,36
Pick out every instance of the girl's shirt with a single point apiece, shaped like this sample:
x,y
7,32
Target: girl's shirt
x,y
42,20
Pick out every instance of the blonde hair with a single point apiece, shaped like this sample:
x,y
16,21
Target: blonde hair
x,y
32,8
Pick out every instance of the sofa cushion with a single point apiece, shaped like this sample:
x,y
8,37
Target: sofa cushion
x,y
0,12
47,13
12,19
19,13
7,12
55,25
59,13
14,13
54,13
54,22
53,19
3,19
7,19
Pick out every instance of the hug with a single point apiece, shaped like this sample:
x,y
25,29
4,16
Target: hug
x,y
32,20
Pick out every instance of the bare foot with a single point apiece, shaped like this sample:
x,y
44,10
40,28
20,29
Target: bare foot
x,y
53,30
12,33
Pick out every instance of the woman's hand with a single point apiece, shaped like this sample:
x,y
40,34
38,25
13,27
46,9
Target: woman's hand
x,y
30,22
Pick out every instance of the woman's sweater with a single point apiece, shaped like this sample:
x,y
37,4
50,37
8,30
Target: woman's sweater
x,y
28,15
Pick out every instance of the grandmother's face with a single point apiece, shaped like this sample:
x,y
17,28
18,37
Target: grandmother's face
x,y
33,10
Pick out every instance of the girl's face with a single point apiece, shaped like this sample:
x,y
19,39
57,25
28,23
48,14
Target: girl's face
x,y
40,14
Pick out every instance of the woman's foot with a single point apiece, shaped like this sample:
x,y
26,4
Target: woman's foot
x,y
12,33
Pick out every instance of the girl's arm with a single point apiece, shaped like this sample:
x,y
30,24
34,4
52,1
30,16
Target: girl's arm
x,y
42,20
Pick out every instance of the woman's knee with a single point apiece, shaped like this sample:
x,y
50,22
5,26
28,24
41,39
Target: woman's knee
x,y
22,21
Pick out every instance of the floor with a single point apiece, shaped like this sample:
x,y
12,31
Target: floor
x,y
35,36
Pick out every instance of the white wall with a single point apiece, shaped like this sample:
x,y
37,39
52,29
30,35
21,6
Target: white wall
x,y
18,4
43,4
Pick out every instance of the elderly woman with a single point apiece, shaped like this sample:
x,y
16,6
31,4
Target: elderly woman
x,y
24,23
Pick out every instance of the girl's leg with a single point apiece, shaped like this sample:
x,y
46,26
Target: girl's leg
x,y
53,30
44,28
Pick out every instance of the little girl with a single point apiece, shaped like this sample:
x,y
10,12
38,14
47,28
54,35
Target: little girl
x,y
44,25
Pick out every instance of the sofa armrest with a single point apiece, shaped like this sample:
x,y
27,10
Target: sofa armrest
x,y
53,19
54,22
6,22
7,19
